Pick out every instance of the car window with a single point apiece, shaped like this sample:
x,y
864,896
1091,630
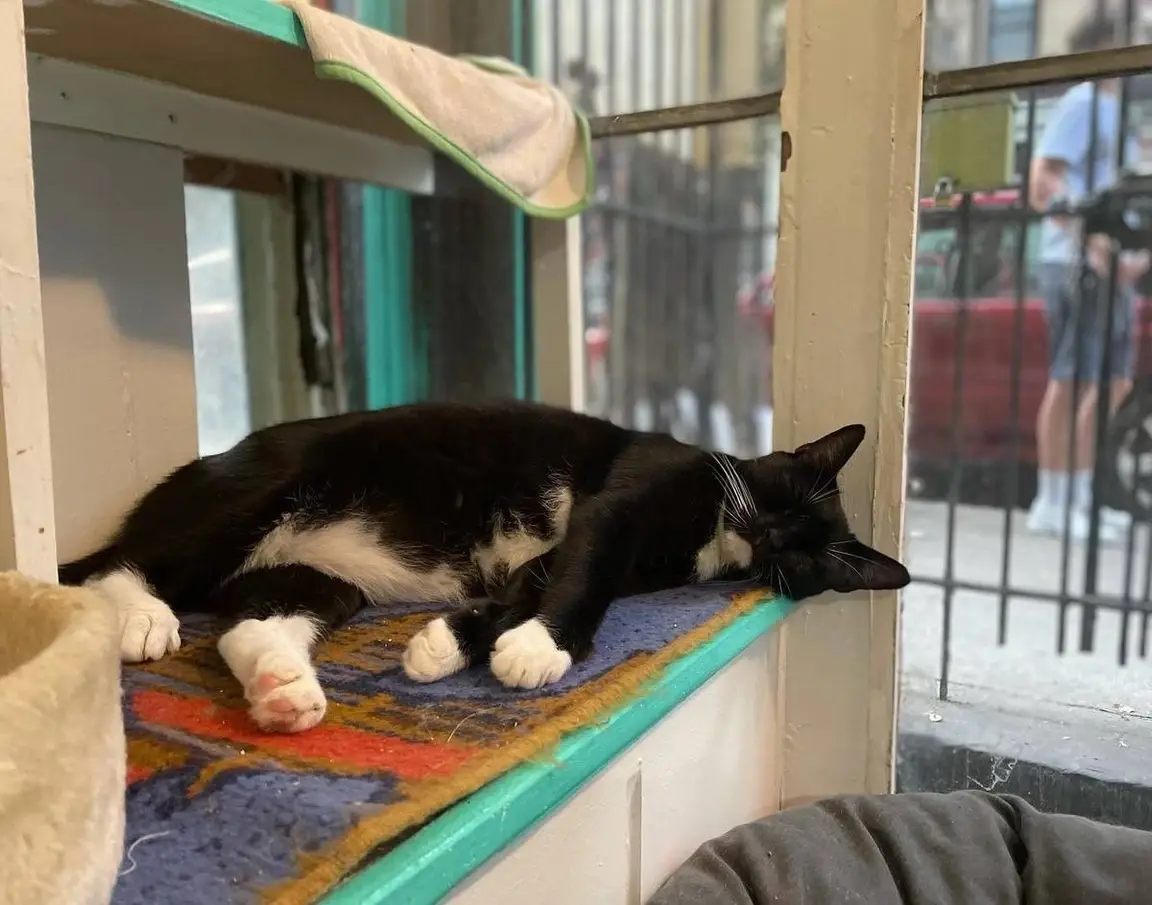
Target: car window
x,y
933,253
990,252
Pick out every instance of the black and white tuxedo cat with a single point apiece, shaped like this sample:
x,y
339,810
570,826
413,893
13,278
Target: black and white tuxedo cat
x,y
548,514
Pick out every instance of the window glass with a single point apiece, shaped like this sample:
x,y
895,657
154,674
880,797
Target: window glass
x,y
617,56
679,267
961,33
1026,627
222,410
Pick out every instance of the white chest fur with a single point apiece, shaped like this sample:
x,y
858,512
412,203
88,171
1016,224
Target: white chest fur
x,y
725,549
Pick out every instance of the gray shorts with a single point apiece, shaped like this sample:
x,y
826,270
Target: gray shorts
x,y
1077,324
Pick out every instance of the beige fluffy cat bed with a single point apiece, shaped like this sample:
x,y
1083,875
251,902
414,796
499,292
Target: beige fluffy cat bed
x,y
61,745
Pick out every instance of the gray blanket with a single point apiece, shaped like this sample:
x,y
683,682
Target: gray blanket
x,y
966,848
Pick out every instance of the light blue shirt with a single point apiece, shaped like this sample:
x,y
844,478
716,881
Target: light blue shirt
x,y
1068,137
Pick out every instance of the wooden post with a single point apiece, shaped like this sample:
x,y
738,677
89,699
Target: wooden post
x,y
558,312
27,524
852,107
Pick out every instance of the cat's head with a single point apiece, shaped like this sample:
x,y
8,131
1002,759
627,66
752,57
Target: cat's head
x,y
786,506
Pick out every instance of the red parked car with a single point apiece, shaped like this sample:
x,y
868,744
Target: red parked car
x,y
1005,339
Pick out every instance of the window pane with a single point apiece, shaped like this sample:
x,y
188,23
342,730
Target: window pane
x,y
222,410
1027,522
679,259
960,33
617,56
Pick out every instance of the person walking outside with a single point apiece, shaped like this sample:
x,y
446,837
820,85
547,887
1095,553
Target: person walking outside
x,y
1069,163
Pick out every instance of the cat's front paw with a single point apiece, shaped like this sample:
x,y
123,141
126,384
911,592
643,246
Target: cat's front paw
x,y
433,653
148,631
284,695
527,657
148,627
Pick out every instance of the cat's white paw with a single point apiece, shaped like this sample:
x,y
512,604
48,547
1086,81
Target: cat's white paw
x,y
148,627
284,694
527,657
433,653
148,632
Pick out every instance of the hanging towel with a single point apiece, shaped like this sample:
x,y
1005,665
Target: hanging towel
x,y
519,136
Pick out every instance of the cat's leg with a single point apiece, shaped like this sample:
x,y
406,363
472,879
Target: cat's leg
x,y
610,549
454,642
280,613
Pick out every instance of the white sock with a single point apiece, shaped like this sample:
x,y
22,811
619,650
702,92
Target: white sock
x,y
1044,492
1059,488
1082,488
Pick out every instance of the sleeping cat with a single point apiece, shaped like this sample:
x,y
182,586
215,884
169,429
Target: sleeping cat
x,y
546,514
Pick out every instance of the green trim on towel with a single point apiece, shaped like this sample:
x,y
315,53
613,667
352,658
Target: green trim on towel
x,y
279,23
334,69
425,868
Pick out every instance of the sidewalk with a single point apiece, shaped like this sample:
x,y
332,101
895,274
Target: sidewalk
x,y
1078,714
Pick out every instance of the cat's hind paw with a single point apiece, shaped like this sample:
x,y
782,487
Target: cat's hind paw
x,y
284,695
433,653
527,657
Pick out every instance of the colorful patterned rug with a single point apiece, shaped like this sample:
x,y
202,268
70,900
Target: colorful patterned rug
x,y
219,812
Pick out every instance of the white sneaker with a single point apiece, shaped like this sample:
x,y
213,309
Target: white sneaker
x,y
1117,517
1045,518
1108,532
1048,519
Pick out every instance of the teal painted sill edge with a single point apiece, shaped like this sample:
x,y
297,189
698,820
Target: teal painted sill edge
x,y
261,16
428,866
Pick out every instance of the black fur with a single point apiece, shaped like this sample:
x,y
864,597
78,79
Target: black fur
x,y
432,479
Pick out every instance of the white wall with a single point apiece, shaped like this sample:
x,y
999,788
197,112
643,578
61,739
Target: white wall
x,y
117,323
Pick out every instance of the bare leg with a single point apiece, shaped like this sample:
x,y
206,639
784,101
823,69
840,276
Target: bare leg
x,y
1086,420
1053,424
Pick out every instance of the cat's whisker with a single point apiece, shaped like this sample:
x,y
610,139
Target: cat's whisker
x,y
786,588
816,485
739,492
735,492
820,489
840,559
853,555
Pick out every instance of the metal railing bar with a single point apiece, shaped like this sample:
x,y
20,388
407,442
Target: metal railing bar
x,y
686,116
956,465
1074,67
1013,453
1024,593
1037,73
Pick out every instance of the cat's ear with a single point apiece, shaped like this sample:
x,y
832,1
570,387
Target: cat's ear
x,y
831,452
853,566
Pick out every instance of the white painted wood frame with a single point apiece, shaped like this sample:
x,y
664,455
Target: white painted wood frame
x,y
112,103
27,528
558,311
705,768
852,106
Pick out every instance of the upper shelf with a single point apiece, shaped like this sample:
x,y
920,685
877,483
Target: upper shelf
x,y
211,56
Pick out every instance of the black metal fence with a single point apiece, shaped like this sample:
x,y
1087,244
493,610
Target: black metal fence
x,y
985,322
